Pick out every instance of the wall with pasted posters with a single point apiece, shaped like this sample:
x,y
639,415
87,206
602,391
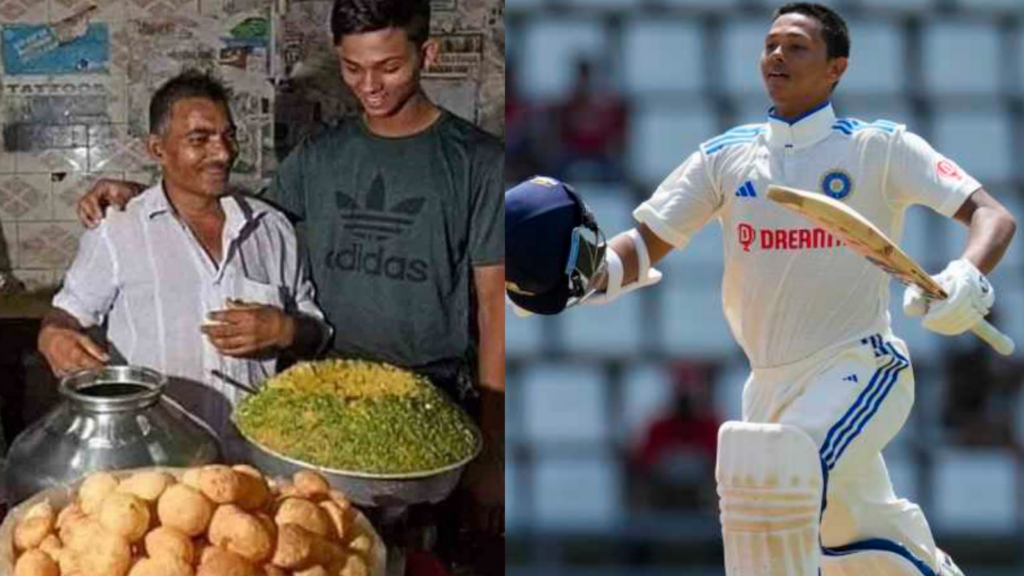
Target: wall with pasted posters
x,y
76,77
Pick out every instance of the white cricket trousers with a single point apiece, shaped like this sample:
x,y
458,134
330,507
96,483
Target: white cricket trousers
x,y
851,400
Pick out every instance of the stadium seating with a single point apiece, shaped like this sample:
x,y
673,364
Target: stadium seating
x,y
645,74
647,393
581,493
663,135
564,403
988,476
877,63
950,70
570,38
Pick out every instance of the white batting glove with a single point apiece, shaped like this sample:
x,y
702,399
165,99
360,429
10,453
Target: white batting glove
x,y
970,298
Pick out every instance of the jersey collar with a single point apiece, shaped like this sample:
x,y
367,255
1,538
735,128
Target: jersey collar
x,y
807,129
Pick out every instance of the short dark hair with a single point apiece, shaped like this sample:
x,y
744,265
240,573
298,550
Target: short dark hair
x,y
188,84
833,27
358,16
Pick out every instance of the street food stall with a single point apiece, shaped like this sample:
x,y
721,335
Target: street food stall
x,y
376,438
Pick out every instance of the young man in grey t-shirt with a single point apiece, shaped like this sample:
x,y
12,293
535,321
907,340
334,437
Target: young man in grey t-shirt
x,y
402,210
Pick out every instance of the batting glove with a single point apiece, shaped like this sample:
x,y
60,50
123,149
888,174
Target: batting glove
x,y
970,298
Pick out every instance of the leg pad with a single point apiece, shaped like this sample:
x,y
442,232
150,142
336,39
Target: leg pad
x,y
770,487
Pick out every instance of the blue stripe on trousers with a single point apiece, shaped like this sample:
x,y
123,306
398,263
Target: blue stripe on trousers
x,y
881,545
842,427
902,364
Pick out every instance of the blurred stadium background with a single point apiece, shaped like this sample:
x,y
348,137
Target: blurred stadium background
x,y
608,451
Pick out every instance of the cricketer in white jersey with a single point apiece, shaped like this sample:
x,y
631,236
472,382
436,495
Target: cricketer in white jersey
x,y
802,483
811,315
772,255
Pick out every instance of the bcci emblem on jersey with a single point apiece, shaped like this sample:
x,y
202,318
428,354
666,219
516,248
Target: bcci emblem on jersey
x,y
836,184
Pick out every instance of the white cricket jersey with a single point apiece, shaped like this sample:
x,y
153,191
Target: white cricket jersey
x,y
790,289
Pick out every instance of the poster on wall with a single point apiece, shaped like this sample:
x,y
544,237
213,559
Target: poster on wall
x,y
245,45
40,49
460,57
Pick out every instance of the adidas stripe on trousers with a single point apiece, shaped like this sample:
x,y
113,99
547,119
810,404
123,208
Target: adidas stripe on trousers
x,y
851,400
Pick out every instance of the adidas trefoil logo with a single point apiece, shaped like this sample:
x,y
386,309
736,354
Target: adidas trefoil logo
x,y
376,220
851,378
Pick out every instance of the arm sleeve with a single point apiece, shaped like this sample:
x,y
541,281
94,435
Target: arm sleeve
x,y
91,283
683,203
918,174
487,216
287,189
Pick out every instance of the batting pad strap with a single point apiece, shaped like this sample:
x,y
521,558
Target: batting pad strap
x,y
770,484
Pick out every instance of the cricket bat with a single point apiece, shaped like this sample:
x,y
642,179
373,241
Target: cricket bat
x,y
867,240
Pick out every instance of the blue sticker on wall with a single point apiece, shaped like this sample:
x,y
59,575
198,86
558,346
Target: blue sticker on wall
x,y
836,184
35,49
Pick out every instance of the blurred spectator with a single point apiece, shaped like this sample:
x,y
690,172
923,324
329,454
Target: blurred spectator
x,y
981,399
591,126
520,142
674,465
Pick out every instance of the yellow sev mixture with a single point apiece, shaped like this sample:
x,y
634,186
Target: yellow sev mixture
x,y
358,416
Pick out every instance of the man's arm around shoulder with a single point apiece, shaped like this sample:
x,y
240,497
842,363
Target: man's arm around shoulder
x,y
106,193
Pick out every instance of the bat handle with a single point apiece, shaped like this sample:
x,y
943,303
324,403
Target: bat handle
x,y
997,340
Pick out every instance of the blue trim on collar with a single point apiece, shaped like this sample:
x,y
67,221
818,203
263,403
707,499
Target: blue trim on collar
x,y
818,108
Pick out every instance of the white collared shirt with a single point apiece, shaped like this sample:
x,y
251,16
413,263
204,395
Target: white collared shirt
x,y
789,289
146,274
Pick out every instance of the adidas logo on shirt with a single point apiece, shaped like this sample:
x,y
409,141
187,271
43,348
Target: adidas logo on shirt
x,y
378,220
746,191
372,224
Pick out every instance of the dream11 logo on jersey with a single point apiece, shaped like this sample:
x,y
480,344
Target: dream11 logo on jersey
x,y
780,239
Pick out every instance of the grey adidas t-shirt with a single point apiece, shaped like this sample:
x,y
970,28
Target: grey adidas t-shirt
x,y
394,227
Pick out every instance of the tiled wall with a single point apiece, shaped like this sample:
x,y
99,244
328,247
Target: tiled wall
x,y
63,131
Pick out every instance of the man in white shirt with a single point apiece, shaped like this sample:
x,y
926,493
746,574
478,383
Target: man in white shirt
x,y
802,482
204,286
